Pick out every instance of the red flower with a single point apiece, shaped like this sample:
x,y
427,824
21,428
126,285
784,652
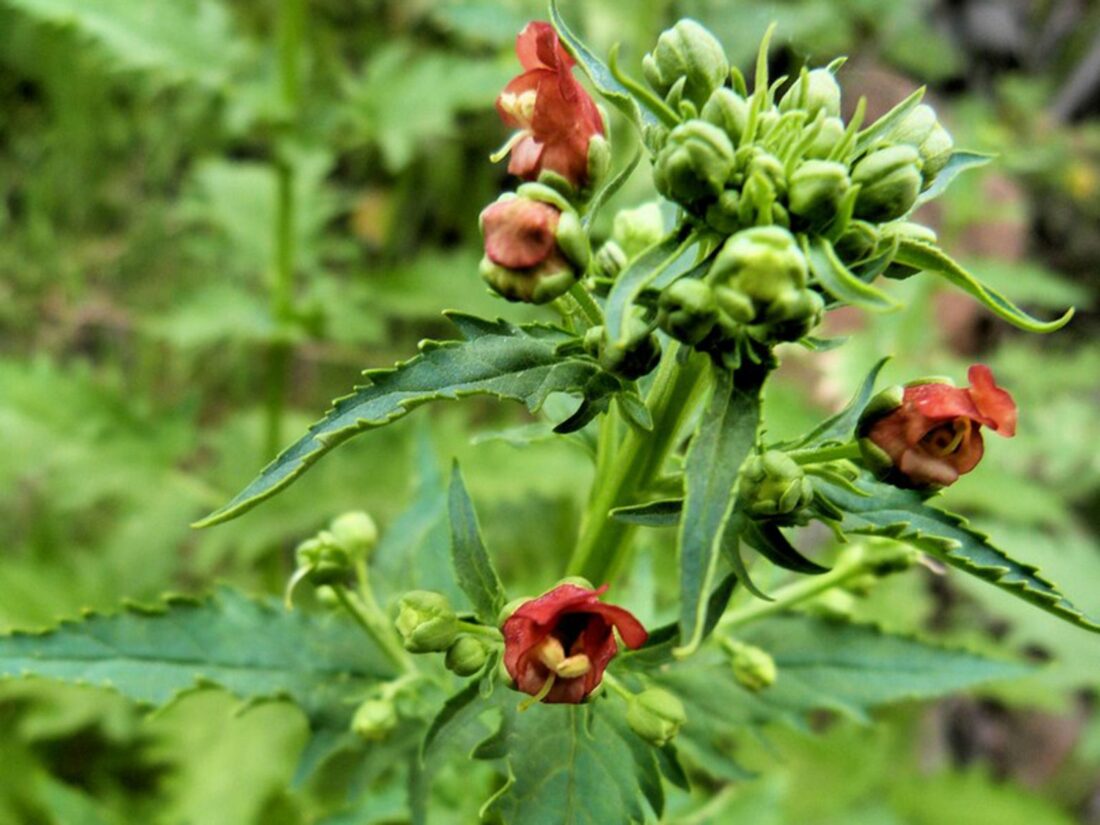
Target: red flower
x,y
566,636
555,116
935,435
520,233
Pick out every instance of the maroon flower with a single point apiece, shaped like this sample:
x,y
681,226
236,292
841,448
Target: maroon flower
x,y
561,642
935,435
555,116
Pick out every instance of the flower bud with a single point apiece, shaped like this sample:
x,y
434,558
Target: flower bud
x,y
724,214
791,317
773,484
812,92
655,715
816,189
832,132
689,51
728,111
695,162
426,621
763,263
753,668
535,249
510,608
638,228
922,130
890,181
327,561
858,242
687,311
771,167
915,126
466,656
610,260
356,532
375,719
634,357
834,605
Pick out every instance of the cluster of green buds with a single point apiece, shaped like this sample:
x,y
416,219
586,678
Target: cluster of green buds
x,y
427,623
773,486
331,556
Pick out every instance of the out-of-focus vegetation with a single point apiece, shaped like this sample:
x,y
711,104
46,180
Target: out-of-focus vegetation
x,y
158,343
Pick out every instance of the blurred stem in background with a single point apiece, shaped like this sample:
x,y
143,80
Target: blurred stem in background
x,y
290,28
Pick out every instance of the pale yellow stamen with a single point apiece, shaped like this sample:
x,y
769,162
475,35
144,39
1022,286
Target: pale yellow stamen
x,y
962,431
574,666
521,106
502,152
551,653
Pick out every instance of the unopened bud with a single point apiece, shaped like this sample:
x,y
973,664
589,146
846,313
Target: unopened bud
x,y
688,51
890,180
762,263
858,243
637,355
728,111
817,188
812,92
426,621
695,163
832,132
753,668
656,715
638,228
773,484
356,532
687,310
610,260
326,561
834,605
466,656
375,719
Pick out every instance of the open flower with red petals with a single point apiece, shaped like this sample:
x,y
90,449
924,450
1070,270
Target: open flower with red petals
x,y
555,117
556,647
932,434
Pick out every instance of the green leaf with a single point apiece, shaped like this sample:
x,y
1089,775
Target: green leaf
x,y
253,649
842,426
888,122
659,647
473,568
612,90
611,187
725,435
191,41
575,764
926,256
663,513
837,280
496,358
904,515
768,540
958,163
635,278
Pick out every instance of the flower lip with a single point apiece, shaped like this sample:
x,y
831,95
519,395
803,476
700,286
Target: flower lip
x,y
519,233
567,634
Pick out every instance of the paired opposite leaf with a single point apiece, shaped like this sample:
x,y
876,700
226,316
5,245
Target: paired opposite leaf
x,y
255,650
496,358
473,569
904,515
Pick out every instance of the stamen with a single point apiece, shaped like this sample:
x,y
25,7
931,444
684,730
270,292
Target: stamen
x,y
502,152
544,691
551,653
574,666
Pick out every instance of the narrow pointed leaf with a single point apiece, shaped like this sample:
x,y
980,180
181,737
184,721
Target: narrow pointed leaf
x,y
726,434
636,277
473,569
888,122
926,256
663,640
496,358
958,163
611,187
904,515
663,513
768,540
841,427
837,280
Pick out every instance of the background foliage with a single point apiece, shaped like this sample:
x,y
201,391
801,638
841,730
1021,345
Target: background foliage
x,y
143,151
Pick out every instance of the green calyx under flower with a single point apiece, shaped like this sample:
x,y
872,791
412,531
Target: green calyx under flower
x,y
655,715
426,622
466,656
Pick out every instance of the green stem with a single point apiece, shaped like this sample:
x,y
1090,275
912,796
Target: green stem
x,y
604,543
486,632
368,615
821,456
617,686
793,594
590,310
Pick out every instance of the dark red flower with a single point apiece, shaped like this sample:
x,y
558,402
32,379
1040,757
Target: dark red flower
x,y
566,635
520,233
935,435
555,116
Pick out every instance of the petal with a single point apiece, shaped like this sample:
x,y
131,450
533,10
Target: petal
x,y
521,636
922,468
537,46
632,631
519,233
940,402
970,452
997,407
526,160
565,598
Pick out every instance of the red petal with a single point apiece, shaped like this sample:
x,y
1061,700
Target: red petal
x,y
565,598
531,45
940,402
519,233
923,468
526,159
997,408
632,631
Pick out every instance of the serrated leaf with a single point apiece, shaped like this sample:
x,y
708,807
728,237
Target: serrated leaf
x,y
597,71
495,358
473,569
929,257
904,515
575,765
842,426
837,280
253,649
958,163
725,435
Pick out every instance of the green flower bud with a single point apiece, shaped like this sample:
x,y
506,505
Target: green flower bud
x,y
687,310
689,51
890,181
771,167
819,91
858,243
327,561
905,230
792,317
578,581
656,715
763,263
772,485
375,719
915,126
593,340
833,605
817,188
935,152
599,160
695,162
466,656
356,532
426,621
638,228
753,668
735,307
832,132
724,215
728,111
638,355
610,260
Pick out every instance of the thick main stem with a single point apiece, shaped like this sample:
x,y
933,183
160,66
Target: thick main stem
x,y
604,542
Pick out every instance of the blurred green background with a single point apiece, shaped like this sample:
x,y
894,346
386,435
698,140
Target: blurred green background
x,y
214,213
